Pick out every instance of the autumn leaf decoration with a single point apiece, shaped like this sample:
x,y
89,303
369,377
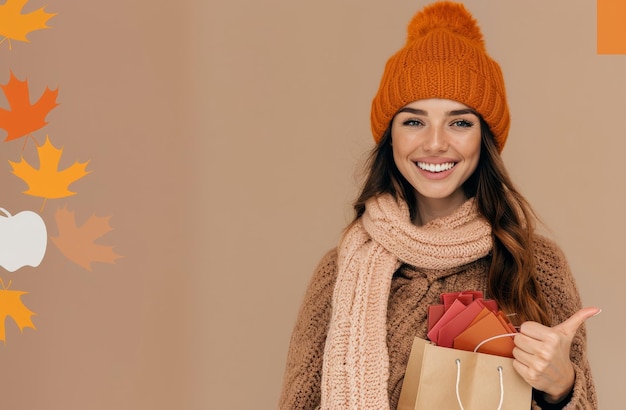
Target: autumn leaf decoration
x,y
15,25
77,242
11,305
24,118
46,178
47,181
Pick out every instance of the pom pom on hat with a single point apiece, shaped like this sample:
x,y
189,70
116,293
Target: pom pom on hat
x,y
444,57
445,15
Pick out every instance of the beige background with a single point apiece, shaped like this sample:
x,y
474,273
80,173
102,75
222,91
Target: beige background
x,y
224,138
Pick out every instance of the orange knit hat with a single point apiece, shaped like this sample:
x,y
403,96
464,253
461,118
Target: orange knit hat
x,y
444,57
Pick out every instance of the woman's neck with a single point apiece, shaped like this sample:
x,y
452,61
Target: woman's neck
x,y
433,208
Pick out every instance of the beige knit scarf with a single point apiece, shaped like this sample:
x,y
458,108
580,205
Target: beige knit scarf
x,y
356,360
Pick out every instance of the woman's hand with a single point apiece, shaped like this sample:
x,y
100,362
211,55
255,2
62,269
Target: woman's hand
x,y
542,354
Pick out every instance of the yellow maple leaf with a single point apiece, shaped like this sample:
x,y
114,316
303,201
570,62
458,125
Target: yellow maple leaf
x,y
15,26
47,181
11,305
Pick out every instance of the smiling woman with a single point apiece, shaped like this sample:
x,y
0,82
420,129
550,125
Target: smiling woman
x,y
436,148
437,214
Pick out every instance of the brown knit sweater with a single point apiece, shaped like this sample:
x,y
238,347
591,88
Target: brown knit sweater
x,y
412,291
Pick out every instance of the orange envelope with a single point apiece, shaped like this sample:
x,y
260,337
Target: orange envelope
x,y
489,326
506,322
480,316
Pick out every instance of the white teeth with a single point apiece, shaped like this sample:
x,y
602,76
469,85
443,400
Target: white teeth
x,y
435,167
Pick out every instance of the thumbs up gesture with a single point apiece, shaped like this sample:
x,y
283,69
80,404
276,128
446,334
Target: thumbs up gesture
x,y
542,354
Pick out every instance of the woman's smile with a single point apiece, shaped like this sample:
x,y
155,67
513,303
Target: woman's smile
x,y
435,168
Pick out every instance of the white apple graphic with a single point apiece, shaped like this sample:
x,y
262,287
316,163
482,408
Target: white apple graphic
x,y
23,240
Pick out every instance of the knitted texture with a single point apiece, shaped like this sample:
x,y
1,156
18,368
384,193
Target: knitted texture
x,y
444,57
413,288
356,361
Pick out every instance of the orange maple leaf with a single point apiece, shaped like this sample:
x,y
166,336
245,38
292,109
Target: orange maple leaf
x,y
24,118
11,305
77,243
15,26
47,181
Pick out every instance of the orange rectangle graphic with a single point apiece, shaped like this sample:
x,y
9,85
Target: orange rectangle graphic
x,y
611,26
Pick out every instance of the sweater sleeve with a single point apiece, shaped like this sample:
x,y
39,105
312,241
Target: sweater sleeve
x,y
563,299
303,373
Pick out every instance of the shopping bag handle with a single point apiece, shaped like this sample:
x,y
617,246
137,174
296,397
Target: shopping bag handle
x,y
489,339
458,380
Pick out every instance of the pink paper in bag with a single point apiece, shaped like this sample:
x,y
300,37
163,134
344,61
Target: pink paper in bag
x,y
456,308
463,297
435,312
490,304
458,324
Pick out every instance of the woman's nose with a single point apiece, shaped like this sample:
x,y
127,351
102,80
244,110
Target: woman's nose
x,y
436,140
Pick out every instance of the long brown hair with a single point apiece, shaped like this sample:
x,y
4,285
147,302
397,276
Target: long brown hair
x,y
511,279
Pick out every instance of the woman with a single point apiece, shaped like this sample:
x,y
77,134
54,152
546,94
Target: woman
x,y
437,213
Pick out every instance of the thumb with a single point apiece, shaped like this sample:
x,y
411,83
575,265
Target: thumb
x,y
572,324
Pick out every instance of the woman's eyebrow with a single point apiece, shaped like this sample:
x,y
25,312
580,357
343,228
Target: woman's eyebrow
x,y
412,111
461,112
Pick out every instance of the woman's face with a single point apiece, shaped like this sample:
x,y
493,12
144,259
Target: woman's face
x,y
436,147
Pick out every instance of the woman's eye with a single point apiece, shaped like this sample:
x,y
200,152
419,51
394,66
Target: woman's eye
x,y
463,123
412,123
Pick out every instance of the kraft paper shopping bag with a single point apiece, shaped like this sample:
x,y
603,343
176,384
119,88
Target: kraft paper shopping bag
x,y
435,374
